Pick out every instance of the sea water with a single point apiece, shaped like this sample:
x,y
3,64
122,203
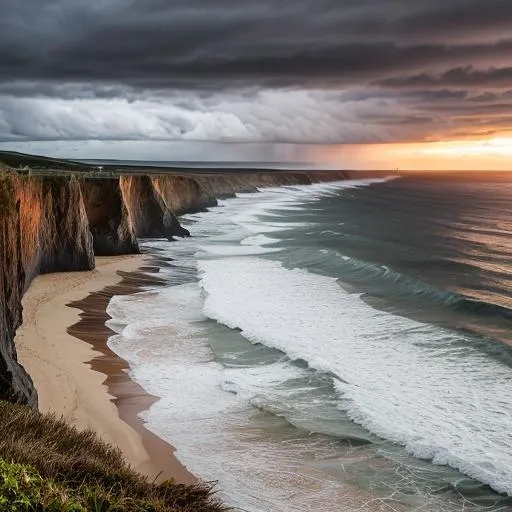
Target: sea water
x,y
334,347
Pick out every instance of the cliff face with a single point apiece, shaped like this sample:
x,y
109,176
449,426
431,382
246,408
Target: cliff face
x,y
53,226
226,185
66,241
325,176
15,385
109,221
149,214
183,195
44,229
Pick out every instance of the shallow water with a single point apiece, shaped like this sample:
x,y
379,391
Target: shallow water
x,y
336,347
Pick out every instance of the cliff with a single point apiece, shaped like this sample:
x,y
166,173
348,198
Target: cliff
x,y
195,192
149,214
184,195
108,217
225,185
44,228
15,385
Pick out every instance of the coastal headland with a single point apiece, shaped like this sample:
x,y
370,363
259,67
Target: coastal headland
x,y
69,242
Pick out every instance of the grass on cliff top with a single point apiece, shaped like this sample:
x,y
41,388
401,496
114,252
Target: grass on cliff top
x,y
17,160
7,196
48,465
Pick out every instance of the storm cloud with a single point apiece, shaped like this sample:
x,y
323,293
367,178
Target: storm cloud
x,y
305,71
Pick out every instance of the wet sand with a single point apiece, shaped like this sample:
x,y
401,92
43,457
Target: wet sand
x,y
62,345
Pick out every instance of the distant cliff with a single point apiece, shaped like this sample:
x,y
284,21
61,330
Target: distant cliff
x,y
150,216
58,223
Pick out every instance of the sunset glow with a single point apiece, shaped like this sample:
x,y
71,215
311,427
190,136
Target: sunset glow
x,y
494,154
499,146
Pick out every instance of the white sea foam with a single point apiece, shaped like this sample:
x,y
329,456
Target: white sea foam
x,y
259,240
204,409
274,203
409,382
238,250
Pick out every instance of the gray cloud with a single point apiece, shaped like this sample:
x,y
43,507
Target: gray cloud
x,y
274,115
276,70
467,77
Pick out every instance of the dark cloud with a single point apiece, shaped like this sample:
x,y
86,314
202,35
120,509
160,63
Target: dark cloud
x,y
489,97
153,43
458,77
195,68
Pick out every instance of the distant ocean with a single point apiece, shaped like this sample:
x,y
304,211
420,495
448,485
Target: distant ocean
x,y
335,347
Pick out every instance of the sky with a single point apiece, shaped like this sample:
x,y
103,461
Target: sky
x,y
351,83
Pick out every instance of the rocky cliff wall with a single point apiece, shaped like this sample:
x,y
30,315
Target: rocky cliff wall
x,y
53,225
149,214
184,195
228,185
108,217
44,228
15,385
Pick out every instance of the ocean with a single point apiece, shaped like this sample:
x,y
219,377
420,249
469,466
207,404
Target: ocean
x,y
336,347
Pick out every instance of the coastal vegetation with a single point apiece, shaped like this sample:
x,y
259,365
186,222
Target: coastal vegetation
x,y
24,162
7,196
46,464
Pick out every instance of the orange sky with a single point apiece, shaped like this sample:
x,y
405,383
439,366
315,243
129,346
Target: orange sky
x,y
485,154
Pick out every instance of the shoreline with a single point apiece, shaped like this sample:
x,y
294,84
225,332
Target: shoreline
x,y
62,344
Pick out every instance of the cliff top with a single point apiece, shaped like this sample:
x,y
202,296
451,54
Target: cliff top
x,y
43,165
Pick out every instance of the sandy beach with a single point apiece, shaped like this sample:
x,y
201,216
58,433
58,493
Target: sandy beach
x,y
83,381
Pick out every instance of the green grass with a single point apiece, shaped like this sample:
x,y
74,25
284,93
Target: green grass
x,y
46,464
7,196
21,160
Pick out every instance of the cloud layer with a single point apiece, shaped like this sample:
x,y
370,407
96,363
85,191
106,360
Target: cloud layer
x,y
306,71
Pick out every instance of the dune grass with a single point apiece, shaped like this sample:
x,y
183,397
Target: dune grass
x,y
46,464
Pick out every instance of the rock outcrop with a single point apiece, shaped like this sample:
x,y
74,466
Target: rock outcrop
x,y
108,217
184,195
149,214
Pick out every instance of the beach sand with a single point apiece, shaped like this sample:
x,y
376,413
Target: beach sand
x,y
84,381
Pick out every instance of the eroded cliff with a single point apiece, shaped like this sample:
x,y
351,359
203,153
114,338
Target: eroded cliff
x,y
108,216
228,185
15,385
183,195
149,214
44,229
